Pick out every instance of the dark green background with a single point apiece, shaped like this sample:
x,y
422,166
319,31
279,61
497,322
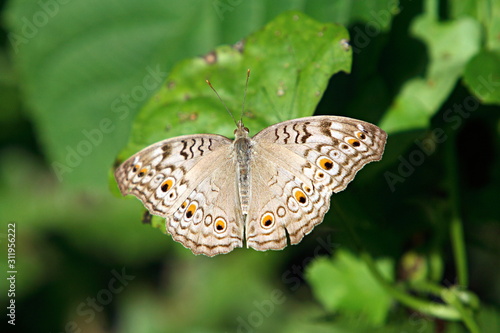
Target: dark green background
x,y
425,71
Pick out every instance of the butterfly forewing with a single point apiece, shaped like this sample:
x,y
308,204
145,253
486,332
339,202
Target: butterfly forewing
x,y
340,146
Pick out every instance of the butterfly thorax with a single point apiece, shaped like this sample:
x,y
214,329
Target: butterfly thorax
x,y
243,149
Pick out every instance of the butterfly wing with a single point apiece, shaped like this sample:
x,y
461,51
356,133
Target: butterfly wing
x,y
298,164
188,181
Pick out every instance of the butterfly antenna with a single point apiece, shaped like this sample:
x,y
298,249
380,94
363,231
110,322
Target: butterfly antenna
x,y
227,109
245,94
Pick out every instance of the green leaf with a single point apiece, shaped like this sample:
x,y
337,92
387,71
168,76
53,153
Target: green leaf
x,y
78,72
377,13
486,12
291,61
450,46
76,59
482,76
344,284
491,14
489,319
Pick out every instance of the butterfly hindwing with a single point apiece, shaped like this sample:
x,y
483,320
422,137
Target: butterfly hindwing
x,y
288,203
209,221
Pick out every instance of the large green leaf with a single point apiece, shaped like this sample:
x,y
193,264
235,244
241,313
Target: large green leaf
x,y
79,60
291,61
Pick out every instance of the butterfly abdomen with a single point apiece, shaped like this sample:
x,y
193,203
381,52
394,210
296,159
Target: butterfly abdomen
x,y
243,154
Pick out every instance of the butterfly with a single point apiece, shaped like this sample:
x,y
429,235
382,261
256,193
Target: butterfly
x,y
265,191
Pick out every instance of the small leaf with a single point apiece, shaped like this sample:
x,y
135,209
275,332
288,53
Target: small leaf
x,y
482,76
344,284
486,12
451,45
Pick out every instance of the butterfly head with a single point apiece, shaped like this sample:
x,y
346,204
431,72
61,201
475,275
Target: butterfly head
x,y
241,131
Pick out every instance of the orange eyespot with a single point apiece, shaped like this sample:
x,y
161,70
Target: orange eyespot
x,y
267,220
142,172
167,185
361,135
184,204
325,163
191,209
354,142
300,196
135,168
220,225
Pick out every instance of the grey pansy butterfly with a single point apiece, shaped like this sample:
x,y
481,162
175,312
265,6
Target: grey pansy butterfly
x,y
215,192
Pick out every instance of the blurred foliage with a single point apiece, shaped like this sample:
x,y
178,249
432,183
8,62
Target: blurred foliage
x,y
338,288
410,246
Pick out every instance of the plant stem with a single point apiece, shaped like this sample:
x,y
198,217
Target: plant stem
x,y
431,8
456,228
431,308
451,297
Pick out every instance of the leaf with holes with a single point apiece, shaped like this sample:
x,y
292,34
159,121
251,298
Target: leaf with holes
x,y
291,61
